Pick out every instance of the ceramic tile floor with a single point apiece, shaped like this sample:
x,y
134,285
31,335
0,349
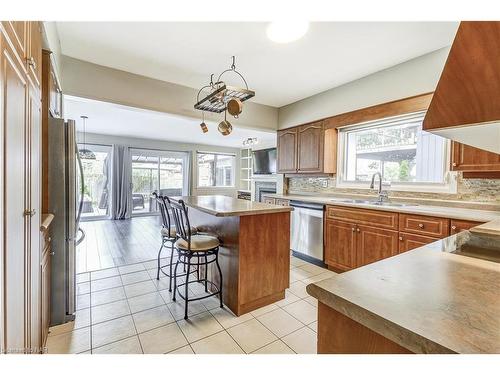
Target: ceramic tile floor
x,y
126,310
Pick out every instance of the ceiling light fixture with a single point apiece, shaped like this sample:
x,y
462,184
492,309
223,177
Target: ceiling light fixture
x,y
84,152
286,31
249,142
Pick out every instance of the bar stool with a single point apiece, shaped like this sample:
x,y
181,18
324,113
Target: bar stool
x,y
202,247
168,236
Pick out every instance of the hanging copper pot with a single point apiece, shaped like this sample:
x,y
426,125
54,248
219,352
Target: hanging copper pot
x,y
225,127
234,107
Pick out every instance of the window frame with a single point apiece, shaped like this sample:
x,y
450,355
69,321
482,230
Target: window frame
x,y
449,185
215,153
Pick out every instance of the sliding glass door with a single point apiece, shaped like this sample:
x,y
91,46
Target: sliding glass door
x,y
152,170
96,175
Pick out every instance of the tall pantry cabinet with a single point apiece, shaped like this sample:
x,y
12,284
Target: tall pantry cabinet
x,y
20,204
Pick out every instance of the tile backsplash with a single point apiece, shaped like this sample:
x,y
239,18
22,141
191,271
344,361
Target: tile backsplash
x,y
469,190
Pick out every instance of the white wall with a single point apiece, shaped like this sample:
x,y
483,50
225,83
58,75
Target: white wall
x,y
410,78
98,82
173,146
52,43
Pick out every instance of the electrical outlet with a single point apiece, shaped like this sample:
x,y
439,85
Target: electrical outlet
x,y
325,183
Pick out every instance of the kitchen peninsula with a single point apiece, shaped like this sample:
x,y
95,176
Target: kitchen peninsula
x,y
255,247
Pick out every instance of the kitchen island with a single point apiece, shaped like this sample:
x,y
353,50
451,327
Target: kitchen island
x,y
439,298
255,247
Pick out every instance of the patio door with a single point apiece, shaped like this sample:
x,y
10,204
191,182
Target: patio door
x,y
162,171
96,172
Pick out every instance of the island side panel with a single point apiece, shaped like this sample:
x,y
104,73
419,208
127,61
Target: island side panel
x,y
264,260
227,230
339,334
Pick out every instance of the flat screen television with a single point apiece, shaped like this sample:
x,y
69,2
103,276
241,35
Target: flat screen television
x,y
264,161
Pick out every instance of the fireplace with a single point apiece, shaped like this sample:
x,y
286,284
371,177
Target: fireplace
x,y
262,188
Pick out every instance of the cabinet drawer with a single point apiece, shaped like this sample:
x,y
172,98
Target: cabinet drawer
x,y
408,241
424,225
457,226
381,219
282,202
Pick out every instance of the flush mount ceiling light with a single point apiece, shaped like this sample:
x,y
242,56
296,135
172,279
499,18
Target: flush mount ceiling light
x,y
286,31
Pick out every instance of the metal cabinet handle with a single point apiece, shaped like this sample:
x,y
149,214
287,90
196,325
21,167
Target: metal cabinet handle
x,y
400,238
453,227
29,212
420,225
31,62
358,230
454,164
52,253
353,229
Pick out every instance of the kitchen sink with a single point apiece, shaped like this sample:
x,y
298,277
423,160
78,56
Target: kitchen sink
x,y
376,203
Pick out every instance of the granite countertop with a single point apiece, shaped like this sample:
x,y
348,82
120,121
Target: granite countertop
x,y
428,300
419,209
220,205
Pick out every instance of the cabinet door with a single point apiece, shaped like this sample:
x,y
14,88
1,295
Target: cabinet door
x,y
374,244
471,159
457,226
287,151
409,241
34,58
13,108
34,205
17,32
340,244
45,294
310,148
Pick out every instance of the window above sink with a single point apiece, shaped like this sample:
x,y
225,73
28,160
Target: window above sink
x,y
408,158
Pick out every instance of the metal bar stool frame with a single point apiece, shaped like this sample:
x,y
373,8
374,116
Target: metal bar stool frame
x,y
204,257
169,238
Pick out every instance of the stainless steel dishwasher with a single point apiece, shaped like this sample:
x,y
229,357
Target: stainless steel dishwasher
x,y
307,231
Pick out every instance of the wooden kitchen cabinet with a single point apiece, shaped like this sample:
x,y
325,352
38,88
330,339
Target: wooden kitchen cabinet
x,y
340,244
287,150
424,225
373,244
457,226
408,241
471,159
45,270
310,148
17,32
307,149
34,56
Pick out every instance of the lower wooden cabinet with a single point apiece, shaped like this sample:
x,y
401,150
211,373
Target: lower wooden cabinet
x,y
457,226
373,244
45,294
340,244
409,241
355,237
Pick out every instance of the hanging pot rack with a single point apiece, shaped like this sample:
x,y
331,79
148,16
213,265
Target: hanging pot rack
x,y
220,93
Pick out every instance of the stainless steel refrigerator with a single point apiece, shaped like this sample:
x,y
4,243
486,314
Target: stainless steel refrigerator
x,y
65,202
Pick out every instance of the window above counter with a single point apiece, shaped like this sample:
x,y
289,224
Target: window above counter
x,y
407,157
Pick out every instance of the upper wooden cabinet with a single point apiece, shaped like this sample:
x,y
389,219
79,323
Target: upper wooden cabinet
x,y
287,150
34,56
308,148
471,159
17,32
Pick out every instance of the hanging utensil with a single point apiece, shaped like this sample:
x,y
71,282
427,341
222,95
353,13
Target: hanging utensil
x,y
203,126
225,127
234,107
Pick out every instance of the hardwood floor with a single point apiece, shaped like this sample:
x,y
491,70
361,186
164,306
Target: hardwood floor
x,y
112,243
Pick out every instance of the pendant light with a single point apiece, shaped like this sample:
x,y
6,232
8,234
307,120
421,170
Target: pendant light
x,y
84,152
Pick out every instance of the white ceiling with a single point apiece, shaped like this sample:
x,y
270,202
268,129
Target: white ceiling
x,y
119,120
329,55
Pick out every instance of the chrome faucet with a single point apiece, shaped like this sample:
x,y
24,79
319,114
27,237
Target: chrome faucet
x,y
382,195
